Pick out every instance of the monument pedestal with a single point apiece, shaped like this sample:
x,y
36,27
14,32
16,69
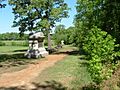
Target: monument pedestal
x,y
36,46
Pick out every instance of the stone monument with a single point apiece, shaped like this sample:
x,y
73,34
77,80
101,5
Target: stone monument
x,y
36,46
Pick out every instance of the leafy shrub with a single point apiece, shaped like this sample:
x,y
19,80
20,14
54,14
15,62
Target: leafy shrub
x,y
100,51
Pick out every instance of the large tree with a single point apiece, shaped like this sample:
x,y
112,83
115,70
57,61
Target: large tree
x,y
101,13
2,5
38,15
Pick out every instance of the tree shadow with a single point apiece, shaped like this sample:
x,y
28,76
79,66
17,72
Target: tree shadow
x,y
74,52
24,50
91,86
6,57
13,59
49,85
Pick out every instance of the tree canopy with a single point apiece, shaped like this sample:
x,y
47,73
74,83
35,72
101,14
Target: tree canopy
x,y
34,15
2,5
101,13
97,28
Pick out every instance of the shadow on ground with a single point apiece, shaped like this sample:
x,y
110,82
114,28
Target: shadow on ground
x,y
49,85
20,50
13,60
5,57
15,55
69,52
91,86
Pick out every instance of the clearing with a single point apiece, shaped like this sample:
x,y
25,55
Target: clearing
x,y
63,70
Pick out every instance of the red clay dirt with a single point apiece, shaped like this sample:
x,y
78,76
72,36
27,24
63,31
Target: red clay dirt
x,y
26,76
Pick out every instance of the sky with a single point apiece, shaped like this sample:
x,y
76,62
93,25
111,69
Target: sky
x,y
7,17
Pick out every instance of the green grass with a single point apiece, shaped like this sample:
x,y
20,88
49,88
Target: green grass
x,y
11,49
14,43
12,58
70,72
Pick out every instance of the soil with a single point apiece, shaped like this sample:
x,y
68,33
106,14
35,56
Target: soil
x,y
27,75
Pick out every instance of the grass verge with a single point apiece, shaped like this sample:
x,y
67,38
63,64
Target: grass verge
x,y
71,72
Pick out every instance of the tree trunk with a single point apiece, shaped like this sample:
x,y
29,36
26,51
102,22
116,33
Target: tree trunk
x,y
49,41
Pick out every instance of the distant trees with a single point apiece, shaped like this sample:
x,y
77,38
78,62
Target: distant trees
x,y
13,36
63,34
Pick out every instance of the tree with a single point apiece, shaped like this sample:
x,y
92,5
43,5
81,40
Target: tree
x,y
59,34
38,15
98,30
59,28
13,36
111,18
2,5
101,13
63,34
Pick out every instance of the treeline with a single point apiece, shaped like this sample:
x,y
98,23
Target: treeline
x,y
13,36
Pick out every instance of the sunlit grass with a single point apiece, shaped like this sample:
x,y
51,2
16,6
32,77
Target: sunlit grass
x,y
11,49
70,72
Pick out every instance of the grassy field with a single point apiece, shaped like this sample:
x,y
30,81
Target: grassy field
x,y
71,72
12,49
15,43
12,58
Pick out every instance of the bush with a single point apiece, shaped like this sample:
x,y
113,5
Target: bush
x,y
99,47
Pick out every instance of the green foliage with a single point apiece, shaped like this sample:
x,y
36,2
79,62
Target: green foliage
x,y
99,46
33,15
101,13
78,35
38,15
100,51
13,36
99,43
63,34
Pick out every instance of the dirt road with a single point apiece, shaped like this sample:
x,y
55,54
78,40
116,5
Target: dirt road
x,y
26,76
